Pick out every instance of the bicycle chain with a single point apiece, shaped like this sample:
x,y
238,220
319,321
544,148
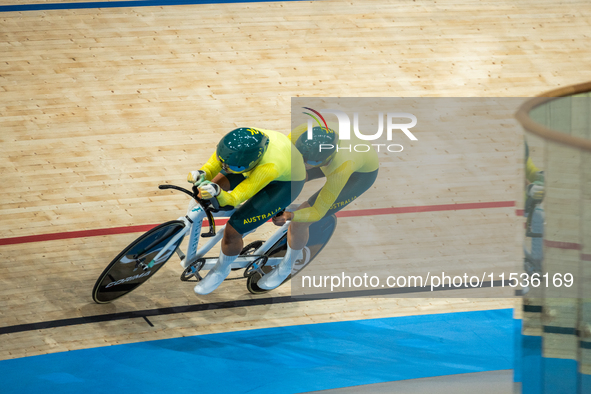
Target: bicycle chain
x,y
242,277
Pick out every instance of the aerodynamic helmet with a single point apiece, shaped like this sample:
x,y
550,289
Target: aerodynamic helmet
x,y
241,149
320,149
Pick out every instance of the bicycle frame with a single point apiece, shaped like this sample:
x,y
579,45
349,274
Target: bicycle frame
x,y
159,243
193,223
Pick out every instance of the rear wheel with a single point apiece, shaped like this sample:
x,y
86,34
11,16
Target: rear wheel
x,y
320,233
278,250
129,269
251,248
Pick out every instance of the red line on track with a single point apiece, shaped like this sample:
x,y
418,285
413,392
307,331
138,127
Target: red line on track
x,y
426,208
562,245
344,214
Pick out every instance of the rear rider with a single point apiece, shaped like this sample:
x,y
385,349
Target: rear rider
x,y
253,167
348,175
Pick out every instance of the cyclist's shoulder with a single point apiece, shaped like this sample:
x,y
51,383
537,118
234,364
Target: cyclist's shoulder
x,y
276,138
297,131
279,153
265,168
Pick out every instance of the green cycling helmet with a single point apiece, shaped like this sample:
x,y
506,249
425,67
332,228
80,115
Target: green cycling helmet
x,y
320,149
241,149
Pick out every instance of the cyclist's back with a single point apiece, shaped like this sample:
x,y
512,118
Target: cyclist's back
x,y
349,173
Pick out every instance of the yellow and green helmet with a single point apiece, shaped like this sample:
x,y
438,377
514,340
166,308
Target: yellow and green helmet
x,y
319,149
241,149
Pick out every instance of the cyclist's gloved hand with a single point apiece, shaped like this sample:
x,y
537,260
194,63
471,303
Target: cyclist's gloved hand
x,y
196,177
209,191
536,190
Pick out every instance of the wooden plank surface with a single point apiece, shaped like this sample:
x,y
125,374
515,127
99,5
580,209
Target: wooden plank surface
x,y
99,106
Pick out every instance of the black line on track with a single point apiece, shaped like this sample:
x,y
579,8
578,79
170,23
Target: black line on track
x,y
561,330
229,304
533,308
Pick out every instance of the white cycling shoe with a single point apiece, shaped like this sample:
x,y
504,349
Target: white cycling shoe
x,y
216,275
276,277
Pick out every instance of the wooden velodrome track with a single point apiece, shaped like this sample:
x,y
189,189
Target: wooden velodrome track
x,y
99,106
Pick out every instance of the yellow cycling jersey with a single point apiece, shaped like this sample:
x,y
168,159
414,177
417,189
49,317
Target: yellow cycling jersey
x,y
337,172
531,171
281,162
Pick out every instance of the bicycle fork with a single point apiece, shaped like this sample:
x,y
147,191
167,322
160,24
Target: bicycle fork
x,y
193,222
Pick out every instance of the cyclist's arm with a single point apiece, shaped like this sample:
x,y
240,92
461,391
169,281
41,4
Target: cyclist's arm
x,y
212,167
258,178
327,196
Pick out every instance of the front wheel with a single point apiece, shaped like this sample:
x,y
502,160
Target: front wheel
x,y
130,268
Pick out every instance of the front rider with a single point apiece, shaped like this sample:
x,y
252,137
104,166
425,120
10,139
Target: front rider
x,y
260,168
534,176
348,175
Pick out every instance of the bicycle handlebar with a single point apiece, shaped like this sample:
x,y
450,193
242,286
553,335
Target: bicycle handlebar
x,y
208,206
162,187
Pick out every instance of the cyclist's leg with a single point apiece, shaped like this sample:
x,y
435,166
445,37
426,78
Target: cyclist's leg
x,y
358,183
297,235
272,199
231,242
294,250
229,251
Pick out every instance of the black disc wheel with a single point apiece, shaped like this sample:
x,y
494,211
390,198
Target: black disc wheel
x,y
277,250
135,264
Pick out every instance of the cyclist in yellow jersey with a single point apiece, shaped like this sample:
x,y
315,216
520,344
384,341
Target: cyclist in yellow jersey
x,y
256,167
348,175
534,176
534,226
